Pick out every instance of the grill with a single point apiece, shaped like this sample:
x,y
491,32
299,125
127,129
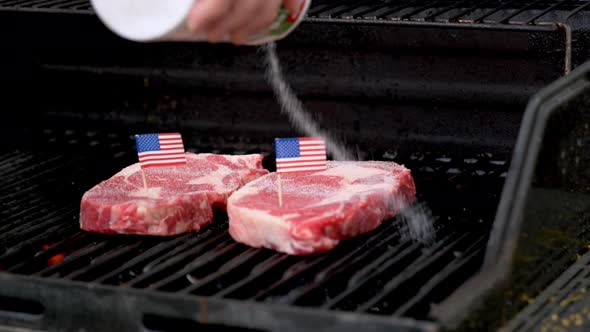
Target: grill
x,y
563,305
363,275
468,11
494,12
367,67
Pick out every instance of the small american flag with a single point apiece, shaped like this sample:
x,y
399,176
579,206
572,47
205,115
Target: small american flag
x,y
301,154
160,150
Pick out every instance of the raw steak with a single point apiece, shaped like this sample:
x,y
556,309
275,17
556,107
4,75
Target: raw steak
x,y
319,209
179,199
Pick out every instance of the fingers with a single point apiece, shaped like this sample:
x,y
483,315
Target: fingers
x,y
261,17
293,5
207,14
237,19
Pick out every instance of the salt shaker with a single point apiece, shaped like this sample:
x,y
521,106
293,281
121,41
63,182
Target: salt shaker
x,y
165,20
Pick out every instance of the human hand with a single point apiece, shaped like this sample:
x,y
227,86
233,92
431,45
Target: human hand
x,y
237,19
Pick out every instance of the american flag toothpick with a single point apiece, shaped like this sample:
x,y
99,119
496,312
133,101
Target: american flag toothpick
x,y
159,150
302,154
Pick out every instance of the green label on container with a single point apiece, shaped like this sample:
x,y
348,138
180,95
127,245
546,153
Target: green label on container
x,y
285,21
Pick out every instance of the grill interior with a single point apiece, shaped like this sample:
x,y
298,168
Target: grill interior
x,y
459,11
380,273
90,92
562,306
467,11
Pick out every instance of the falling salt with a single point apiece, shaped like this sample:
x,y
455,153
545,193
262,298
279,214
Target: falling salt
x,y
294,109
416,221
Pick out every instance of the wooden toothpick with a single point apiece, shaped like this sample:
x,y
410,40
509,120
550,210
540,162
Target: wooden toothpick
x,y
280,183
145,184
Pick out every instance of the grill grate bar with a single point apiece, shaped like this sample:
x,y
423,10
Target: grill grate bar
x,y
257,272
81,6
100,263
75,257
84,5
33,3
438,12
320,8
361,10
13,2
402,15
314,263
344,9
41,257
584,284
332,12
16,177
512,13
562,295
546,11
15,158
327,273
458,14
374,271
13,206
45,227
14,185
215,255
577,10
485,14
14,215
564,299
379,13
472,252
428,260
172,246
26,229
155,271
47,3
15,167
15,252
231,267
541,277
538,275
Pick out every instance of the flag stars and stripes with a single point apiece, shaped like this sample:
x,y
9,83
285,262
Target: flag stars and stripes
x,y
301,154
160,150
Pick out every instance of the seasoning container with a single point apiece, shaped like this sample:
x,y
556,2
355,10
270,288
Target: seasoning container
x,y
165,20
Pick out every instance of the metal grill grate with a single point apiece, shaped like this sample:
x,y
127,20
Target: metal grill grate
x,y
563,306
455,11
378,273
57,6
458,11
